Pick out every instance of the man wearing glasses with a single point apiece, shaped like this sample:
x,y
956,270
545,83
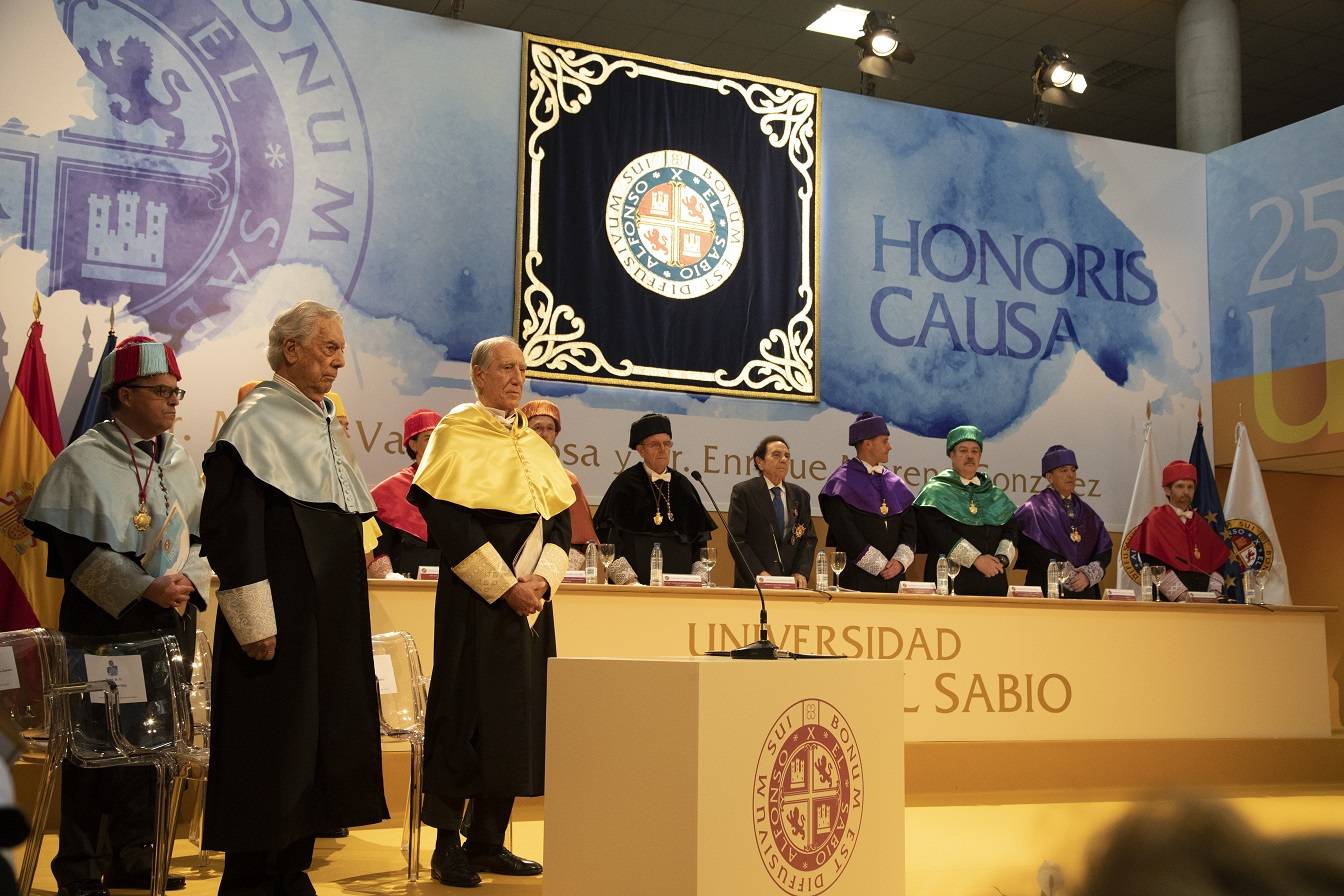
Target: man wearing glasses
x,y
118,490
650,503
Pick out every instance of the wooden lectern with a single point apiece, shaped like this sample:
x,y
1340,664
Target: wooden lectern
x,y
711,776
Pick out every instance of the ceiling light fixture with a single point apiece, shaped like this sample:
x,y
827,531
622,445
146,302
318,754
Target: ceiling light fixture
x,y
880,45
1054,82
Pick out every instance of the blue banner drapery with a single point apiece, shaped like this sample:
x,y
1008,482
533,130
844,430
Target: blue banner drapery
x,y
668,225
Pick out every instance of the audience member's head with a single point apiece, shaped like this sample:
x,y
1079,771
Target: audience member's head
x,y
1187,847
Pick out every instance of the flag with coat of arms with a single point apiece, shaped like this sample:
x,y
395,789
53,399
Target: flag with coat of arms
x,y
1250,524
30,439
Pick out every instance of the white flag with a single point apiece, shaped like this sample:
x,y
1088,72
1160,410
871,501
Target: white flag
x,y
1250,525
1147,495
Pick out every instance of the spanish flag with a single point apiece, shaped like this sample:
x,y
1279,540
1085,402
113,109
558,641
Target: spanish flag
x,y
30,439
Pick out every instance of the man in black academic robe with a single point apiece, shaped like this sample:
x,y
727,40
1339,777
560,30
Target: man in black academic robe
x,y
496,500
120,488
650,503
771,520
1056,525
867,509
967,518
295,746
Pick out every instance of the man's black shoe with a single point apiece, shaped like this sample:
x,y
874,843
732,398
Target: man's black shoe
x,y
449,866
334,833
296,883
501,861
82,888
139,880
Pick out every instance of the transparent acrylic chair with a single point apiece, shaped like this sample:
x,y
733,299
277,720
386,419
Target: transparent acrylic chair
x,y
402,688
202,666
145,721
32,674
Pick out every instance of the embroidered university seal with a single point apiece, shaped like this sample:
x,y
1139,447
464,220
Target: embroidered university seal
x,y
807,797
1250,545
675,224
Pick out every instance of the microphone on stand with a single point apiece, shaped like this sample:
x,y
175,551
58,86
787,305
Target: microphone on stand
x,y
762,648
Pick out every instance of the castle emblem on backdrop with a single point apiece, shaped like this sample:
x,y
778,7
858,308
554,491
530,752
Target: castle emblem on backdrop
x,y
807,797
227,138
703,184
679,231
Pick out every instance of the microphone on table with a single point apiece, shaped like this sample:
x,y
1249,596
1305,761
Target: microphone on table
x,y
762,648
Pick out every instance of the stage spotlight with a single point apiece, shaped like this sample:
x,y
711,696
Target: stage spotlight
x,y
881,45
1054,82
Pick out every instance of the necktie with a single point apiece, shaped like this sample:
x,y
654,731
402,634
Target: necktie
x,y
146,446
778,498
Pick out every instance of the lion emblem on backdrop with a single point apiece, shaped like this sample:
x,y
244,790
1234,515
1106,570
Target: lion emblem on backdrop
x,y
128,77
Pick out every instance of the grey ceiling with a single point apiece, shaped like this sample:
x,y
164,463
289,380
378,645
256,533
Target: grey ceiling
x,y
972,55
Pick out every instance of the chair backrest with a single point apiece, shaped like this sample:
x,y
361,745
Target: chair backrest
x,y
401,685
153,696
201,669
30,663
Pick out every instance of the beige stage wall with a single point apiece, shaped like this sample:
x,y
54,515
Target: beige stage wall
x,y
983,669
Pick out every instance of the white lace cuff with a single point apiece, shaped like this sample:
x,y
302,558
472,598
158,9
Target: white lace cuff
x,y
380,567
486,573
1171,586
1216,582
905,556
1007,549
872,562
963,553
111,581
576,559
619,572
1094,572
249,611
551,566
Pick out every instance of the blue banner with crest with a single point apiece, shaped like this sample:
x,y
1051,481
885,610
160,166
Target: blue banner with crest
x,y
668,225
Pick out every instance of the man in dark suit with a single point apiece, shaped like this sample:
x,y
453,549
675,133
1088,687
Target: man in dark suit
x,y
772,520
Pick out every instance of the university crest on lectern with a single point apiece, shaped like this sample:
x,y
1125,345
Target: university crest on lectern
x,y
807,797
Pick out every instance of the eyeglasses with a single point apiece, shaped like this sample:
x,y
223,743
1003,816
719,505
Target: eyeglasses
x,y
164,392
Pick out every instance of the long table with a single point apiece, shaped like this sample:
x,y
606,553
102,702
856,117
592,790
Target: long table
x,y
983,669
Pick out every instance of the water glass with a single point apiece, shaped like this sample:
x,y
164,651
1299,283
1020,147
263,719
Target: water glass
x,y
838,563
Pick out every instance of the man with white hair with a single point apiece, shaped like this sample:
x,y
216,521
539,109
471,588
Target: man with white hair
x,y
294,742
496,501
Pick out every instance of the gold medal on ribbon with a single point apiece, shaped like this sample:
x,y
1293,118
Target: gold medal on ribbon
x,y
142,519
974,509
1075,537
1196,552
883,509
657,517
798,531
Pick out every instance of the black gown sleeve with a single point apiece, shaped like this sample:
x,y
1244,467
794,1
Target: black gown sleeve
x,y
233,520
843,534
